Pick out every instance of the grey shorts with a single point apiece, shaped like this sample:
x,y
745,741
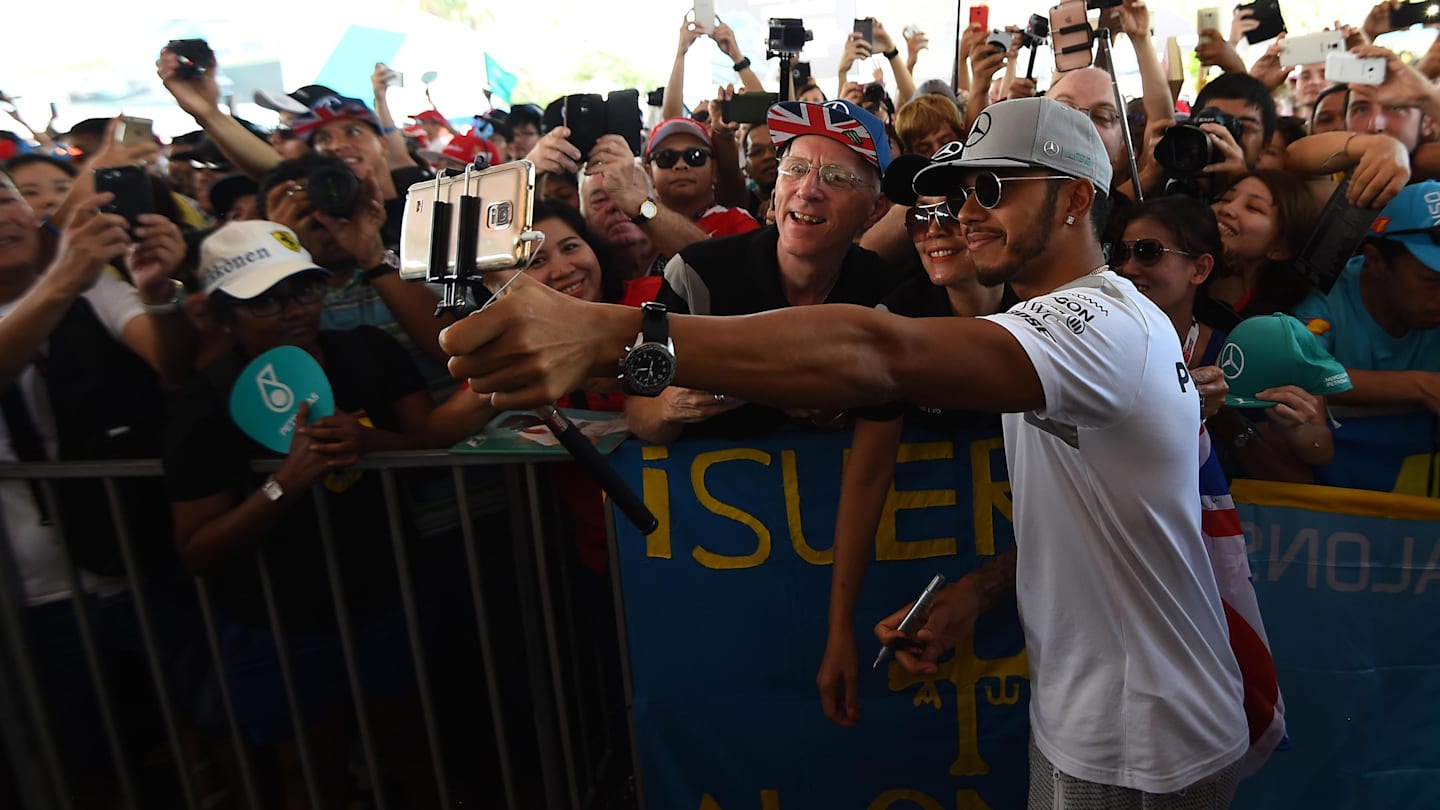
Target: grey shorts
x,y
1052,790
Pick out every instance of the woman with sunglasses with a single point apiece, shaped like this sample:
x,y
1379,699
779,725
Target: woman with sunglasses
x,y
949,288
266,291
1170,248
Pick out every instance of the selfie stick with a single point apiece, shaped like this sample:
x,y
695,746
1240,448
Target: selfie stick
x,y
955,68
577,443
1104,35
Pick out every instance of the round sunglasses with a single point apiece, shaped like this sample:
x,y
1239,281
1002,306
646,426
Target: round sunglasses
x,y
919,217
988,187
667,158
1146,252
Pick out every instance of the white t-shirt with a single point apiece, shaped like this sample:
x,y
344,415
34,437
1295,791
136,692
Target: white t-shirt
x,y
38,548
1133,680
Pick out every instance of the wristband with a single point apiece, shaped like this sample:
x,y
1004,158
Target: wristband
x,y
169,307
890,54
742,64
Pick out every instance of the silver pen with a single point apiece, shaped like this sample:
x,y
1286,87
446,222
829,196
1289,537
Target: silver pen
x,y
914,619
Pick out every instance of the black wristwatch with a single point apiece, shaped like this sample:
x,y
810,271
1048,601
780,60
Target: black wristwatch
x,y
648,367
890,54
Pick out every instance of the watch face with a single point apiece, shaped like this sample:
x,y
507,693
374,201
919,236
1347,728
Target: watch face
x,y
649,368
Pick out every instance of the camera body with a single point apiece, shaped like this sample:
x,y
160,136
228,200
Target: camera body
x,y
333,190
195,57
1037,30
1000,41
1185,149
788,36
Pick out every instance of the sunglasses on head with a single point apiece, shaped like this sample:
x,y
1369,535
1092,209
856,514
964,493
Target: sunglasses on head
x,y
667,158
919,217
1146,252
987,189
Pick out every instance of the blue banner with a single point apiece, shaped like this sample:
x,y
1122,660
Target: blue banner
x,y
726,609
1349,585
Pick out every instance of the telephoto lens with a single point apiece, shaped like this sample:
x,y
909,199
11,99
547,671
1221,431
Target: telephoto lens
x,y
333,189
1185,149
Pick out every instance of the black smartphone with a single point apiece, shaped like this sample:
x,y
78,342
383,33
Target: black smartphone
x,y
749,108
132,190
1408,14
622,117
1267,13
866,29
194,54
583,114
800,75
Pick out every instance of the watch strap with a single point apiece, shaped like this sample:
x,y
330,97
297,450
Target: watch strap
x,y
654,323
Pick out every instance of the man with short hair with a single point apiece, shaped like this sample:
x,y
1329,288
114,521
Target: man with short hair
x,y
525,125
1136,695
1248,100
828,191
760,165
680,158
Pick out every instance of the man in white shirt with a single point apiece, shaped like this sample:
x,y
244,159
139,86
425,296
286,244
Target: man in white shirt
x,y
1137,697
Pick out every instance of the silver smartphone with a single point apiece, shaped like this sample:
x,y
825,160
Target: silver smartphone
x,y
506,213
1310,49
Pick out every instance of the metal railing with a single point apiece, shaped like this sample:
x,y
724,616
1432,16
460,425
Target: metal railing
x,y
571,754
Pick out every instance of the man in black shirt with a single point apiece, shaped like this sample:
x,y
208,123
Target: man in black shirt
x,y
832,157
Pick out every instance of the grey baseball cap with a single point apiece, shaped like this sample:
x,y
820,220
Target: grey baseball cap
x,y
1026,133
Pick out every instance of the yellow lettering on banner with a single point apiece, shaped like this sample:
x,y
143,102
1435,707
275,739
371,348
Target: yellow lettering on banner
x,y
889,798
969,800
769,800
655,488
990,494
792,514
965,671
1415,476
887,547
707,802
723,562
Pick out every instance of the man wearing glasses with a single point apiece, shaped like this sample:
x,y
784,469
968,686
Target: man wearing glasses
x,y
1136,696
827,191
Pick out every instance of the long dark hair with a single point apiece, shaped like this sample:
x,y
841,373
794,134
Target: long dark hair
x,y
612,276
1188,219
1279,287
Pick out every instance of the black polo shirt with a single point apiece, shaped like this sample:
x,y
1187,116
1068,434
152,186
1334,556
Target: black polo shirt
x,y
740,275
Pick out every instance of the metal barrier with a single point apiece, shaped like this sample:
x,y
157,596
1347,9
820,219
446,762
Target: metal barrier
x,y
572,753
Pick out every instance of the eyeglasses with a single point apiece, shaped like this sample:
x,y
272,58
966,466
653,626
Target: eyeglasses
x,y
1100,116
987,188
272,303
667,158
1145,251
919,217
831,176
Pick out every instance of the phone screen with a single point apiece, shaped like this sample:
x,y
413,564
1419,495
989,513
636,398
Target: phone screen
x,y
749,108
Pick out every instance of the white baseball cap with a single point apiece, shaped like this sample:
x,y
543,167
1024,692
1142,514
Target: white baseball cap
x,y
244,259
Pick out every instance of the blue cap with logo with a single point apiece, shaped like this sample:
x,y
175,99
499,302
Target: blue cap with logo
x,y
1413,220
838,120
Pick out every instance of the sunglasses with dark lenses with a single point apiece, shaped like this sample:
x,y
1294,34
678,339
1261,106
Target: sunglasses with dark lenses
x,y
918,219
667,158
1145,251
988,186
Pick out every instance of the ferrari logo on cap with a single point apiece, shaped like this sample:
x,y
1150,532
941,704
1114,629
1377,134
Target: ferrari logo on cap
x,y
287,239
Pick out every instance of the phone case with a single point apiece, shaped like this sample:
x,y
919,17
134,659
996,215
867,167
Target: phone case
x,y
1344,67
705,15
980,15
133,193
136,130
506,213
622,117
1267,13
749,108
1208,19
1071,36
866,29
1310,48
1408,14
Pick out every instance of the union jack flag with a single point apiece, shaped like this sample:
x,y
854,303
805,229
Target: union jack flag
x,y
1225,544
792,119
333,108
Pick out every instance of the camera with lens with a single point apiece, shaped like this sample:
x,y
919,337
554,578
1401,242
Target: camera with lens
x,y
1000,40
1185,149
1037,30
333,189
193,57
788,36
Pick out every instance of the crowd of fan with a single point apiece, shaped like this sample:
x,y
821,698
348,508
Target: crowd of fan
x,y
123,341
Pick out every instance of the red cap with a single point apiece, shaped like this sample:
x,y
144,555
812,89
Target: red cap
x,y
433,116
678,125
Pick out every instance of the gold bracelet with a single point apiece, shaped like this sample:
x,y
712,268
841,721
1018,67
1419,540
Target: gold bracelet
x,y
1344,152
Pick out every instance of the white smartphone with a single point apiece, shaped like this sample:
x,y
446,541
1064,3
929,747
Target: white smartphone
x,y
506,215
1351,69
1207,19
705,15
1310,49
395,79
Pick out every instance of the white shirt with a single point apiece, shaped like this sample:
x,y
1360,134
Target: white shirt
x,y
1133,680
38,548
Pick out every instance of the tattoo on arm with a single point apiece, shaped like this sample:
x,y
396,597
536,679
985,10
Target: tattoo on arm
x,y
995,580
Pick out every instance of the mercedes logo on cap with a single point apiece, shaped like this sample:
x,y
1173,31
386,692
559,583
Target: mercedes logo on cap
x,y
949,150
1050,148
980,130
1232,361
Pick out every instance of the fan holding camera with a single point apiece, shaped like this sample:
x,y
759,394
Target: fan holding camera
x,y
869,37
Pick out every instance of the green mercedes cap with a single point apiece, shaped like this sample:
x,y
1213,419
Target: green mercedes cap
x,y
1269,351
